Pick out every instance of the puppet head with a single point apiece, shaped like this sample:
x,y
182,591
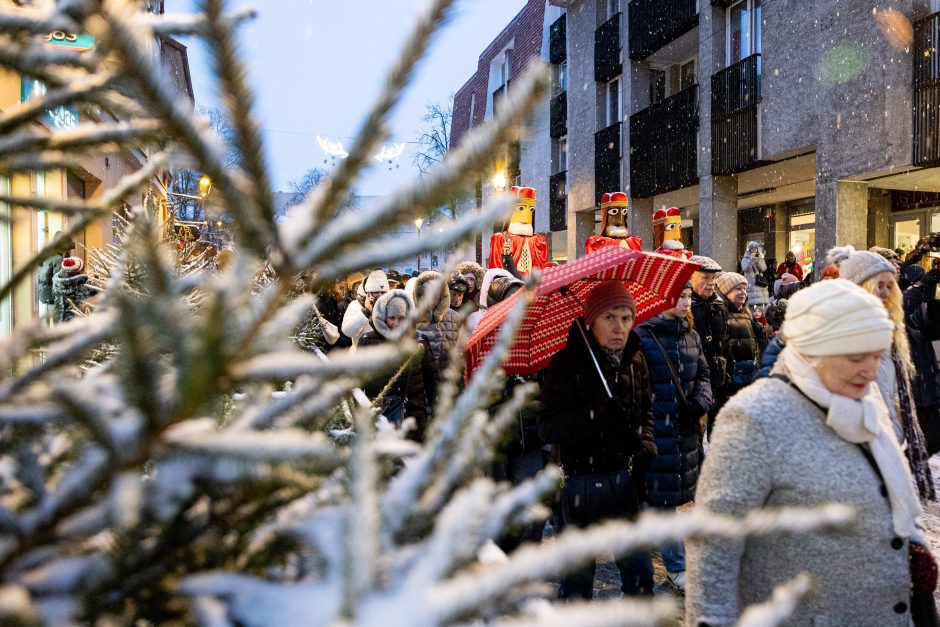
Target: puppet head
x,y
667,228
614,215
523,217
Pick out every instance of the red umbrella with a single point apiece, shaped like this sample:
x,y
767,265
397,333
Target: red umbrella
x,y
655,281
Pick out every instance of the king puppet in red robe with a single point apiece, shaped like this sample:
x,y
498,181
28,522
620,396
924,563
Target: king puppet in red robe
x,y
667,233
613,225
527,248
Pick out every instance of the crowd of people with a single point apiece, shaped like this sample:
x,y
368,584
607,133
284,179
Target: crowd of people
x,y
802,390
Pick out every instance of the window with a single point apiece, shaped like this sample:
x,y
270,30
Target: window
x,y
505,68
744,30
612,113
473,102
560,154
561,78
687,75
613,8
657,85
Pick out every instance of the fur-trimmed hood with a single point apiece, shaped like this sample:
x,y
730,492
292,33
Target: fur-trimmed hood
x,y
471,266
379,311
425,281
491,274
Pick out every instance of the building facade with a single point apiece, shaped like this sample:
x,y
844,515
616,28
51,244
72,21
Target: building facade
x,y
29,230
801,125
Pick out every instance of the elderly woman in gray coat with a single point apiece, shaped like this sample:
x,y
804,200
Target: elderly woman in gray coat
x,y
816,432
753,268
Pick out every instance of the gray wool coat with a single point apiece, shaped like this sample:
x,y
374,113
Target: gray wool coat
x,y
772,448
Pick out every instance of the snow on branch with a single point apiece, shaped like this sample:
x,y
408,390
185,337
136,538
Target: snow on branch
x,y
779,607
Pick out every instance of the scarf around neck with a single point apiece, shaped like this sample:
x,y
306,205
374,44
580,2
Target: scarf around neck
x,y
863,422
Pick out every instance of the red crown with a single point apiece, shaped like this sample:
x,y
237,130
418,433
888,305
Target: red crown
x,y
615,199
659,214
524,192
605,198
673,211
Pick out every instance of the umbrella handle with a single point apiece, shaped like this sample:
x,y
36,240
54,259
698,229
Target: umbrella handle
x,y
593,358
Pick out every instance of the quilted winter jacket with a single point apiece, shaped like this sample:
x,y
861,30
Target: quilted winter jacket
x,y
711,324
745,343
672,477
926,384
591,432
441,327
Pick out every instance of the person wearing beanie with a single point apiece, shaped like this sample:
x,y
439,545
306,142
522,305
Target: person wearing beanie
x,y
710,315
753,267
680,384
356,319
603,441
746,339
458,287
70,289
815,432
877,276
922,324
791,266
406,396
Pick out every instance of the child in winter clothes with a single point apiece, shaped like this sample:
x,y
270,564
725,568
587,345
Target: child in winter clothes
x,y
70,288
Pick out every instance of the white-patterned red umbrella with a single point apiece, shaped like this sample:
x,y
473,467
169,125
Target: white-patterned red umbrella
x,y
655,281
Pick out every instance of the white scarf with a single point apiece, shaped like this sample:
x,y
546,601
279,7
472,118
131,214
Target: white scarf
x,y
862,422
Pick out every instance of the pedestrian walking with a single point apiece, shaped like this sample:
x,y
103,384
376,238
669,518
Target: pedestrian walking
x,y
878,277
921,333
816,432
603,442
790,266
682,396
711,322
753,267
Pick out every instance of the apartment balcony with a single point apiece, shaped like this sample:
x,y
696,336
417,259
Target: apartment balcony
x,y
664,145
558,115
607,45
558,201
735,132
655,23
607,160
557,40
925,97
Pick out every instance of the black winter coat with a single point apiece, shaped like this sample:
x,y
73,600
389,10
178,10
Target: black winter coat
x,y
926,384
408,390
671,478
590,432
711,324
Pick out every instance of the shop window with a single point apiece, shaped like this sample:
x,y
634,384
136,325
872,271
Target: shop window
x,y
802,239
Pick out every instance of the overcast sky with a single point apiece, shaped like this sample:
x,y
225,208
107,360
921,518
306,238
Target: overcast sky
x,y
317,65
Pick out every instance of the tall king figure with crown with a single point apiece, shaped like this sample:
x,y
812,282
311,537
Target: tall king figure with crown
x,y
527,248
613,225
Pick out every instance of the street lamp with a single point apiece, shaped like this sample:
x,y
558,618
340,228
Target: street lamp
x,y
500,181
419,222
205,185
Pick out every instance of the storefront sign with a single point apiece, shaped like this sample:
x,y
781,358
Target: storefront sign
x,y
79,43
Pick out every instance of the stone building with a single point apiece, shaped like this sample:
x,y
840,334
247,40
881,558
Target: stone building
x,y
797,124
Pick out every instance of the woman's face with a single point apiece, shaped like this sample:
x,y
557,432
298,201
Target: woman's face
x,y
612,327
683,305
471,280
884,281
849,375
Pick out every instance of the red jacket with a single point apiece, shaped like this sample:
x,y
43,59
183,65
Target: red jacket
x,y
528,251
796,270
596,242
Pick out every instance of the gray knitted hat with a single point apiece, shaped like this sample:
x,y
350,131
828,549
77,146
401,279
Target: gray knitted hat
x,y
706,264
858,266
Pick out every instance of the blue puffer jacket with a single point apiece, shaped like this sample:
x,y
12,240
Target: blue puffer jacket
x,y
672,477
769,359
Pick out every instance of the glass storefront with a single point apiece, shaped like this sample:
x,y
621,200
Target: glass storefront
x,y
907,228
802,234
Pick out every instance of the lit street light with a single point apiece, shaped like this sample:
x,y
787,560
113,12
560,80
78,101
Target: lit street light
x,y
500,181
419,222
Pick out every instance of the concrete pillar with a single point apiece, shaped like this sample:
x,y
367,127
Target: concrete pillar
x,y
781,227
641,220
718,219
879,210
841,215
580,227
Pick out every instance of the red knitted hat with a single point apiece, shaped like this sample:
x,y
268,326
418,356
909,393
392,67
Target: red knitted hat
x,y
607,295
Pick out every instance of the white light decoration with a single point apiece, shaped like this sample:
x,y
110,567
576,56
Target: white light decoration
x,y
389,154
333,149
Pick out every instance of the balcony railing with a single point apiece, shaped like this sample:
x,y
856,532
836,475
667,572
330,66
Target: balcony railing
x,y
558,115
664,145
607,45
735,97
558,201
655,23
557,40
925,98
607,160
